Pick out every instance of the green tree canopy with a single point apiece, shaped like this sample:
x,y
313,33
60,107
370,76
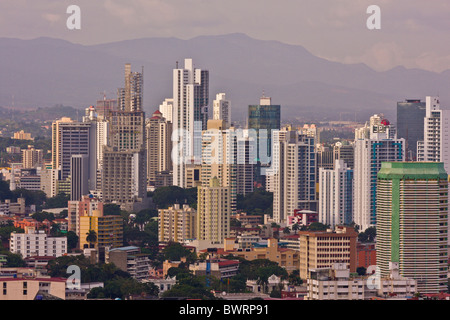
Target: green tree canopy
x,y
58,201
190,287
36,197
368,235
91,237
259,202
5,192
174,251
72,240
165,197
316,226
111,209
42,215
13,260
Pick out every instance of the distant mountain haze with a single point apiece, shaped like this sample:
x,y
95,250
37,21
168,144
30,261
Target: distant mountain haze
x,y
44,72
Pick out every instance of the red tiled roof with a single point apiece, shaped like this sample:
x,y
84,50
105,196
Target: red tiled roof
x,y
440,295
228,263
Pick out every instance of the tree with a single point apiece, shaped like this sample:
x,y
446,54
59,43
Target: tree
x,y
180,273
258,202
63,214
58,201
263,282
174,251
55,230
36,197
14,260
190,287
296,227
91,237
286,230
144,216
72,240
260,268
41,216
5,232
368,235
276,293
111,209
361,271
294,278
165,197
5,192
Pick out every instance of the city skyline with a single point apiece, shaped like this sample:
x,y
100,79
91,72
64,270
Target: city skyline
x,y
158,191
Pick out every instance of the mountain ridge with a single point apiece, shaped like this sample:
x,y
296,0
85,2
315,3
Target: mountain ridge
x,y
46,71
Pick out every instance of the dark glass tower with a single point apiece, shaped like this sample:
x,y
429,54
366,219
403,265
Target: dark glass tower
x,y
410,117
263,118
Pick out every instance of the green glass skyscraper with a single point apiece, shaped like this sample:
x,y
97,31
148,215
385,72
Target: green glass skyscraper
x,y
264,116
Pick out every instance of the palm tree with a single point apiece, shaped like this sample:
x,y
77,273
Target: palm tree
x,y
296,227
263,282
91,237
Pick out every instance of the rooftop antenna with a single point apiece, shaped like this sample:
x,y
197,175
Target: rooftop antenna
x,y
177,65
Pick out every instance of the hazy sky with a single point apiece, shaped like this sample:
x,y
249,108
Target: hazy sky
x,y
414,33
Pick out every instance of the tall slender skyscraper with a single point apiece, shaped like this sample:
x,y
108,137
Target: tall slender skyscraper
x,y
213,212
159,148
412,216
219,151
336,194
190,115
124,158
131,97
166,108
375,147
410,116
294,171
435,146
222,109
79,176
264,119
264,116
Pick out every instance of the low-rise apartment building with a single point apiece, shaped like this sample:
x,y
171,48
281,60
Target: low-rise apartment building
x,y
37,243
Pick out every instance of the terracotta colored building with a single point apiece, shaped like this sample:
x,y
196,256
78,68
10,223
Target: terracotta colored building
x,y
320,249
367,255
286,258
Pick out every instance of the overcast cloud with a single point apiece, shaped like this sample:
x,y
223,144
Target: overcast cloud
x,y
414,33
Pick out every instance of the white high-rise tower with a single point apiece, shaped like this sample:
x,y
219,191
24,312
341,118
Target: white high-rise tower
x,y
370,152
190,115
222,109
436,144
